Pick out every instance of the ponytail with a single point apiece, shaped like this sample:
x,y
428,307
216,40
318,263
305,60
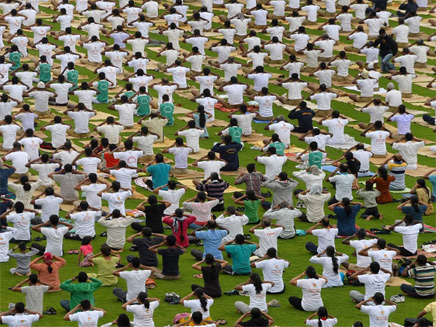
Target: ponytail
x,y
50,268
257,282
414,202
202,117
347,208
199,293
330,251
322,313
142,297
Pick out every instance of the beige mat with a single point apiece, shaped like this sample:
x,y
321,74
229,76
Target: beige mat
x,y
100,115
166,143
379,161
189,183
421,171
241,170
199,154
190,174
180,110
425,151
397,281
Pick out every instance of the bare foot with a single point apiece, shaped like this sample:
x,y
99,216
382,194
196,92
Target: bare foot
x,y
368,218
381,217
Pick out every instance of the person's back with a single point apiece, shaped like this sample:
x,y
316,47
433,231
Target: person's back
x,y
83,290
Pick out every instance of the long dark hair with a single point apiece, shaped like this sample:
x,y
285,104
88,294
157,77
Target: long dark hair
x,y
330,251
383,173
421,184
201,116
347,208
414,203
142,296
152,201
322,313
210,260
203,301
257,282
311,272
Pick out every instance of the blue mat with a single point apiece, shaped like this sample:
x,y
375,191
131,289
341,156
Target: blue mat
x,y
329,168
262,121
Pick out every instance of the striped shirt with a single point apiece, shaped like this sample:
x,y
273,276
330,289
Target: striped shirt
x,y
424,279
253,180
215,189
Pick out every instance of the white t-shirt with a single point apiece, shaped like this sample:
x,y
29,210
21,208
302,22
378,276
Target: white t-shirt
x,y
378,141
66,157
129,156
336,127
126,112
244,121
44,169
312,12
135,280
267,239
342,66
265,105
58,134
124,176
117,200
375,113
89,164
235,93
145,143
81,120
111,132
324,99
179,75
327,46
275,50
211,166
326,237
180,156
409,151
55,239
19,160
257,300
172,196
320,139
359,39
273,165
362,260
295,89
31,146
195,305
84,222
20,320
273,272
87,318
374,283
378,314
21,222
334,279
332,31
363,156
344,183
283,130
410,236
192,136
311,293
374,25
91,194
141,315
401,33
9,133
383,257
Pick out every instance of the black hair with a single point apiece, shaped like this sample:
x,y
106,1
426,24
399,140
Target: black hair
x,y
330,252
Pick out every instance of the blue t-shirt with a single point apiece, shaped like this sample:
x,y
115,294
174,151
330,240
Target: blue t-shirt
x,y
241,257
412,211
212,240
347,224
432,179
159,174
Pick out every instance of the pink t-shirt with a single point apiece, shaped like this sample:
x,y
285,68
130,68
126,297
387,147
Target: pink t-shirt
x,y
86,249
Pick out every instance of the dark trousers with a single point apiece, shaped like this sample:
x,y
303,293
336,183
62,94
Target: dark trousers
x,y
197,254
428,119
120,294
312,248
411,291
72,236
39,247
295,302
333,200
370,212
403,251
213,295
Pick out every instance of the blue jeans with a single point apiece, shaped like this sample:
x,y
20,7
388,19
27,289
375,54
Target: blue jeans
x,y
386,65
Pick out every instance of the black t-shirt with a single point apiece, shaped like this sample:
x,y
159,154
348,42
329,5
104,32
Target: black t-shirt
x,y
153,217
353,166
212,280
170,261
304,118
147,257
255,322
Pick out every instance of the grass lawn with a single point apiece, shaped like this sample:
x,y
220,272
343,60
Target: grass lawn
x,y
336,300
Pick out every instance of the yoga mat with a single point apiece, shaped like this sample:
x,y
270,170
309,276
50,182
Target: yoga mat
x,y
421,171
396,281
425,151
199,154
253,137
191,174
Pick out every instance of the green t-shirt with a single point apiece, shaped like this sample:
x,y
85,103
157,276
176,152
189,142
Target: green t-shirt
x,y
241,257
251,210
129,94
15,57
143,105
45,72
103,88
235,133
73,77
315,158
280,147
167,109
81,291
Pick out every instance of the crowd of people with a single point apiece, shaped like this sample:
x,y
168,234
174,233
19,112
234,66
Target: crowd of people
x,y
64,66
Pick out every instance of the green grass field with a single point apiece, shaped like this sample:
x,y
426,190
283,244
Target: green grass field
x,y
336,300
